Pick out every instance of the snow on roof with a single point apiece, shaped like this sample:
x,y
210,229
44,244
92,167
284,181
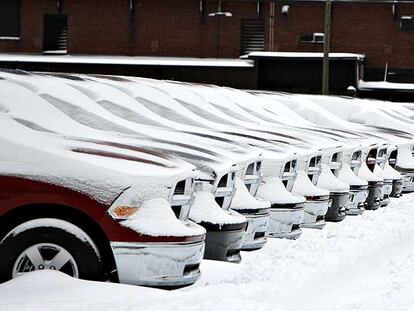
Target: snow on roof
x,y
126,60
384,85
306,55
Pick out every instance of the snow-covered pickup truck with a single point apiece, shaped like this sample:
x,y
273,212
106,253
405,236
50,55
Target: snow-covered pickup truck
x,y
364,147
157,107
391,123
216,170
93,210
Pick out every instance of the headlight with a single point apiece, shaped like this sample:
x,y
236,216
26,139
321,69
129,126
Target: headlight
x,y
129,201
122,212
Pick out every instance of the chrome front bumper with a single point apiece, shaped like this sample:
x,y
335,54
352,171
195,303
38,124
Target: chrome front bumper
x,y
314,213
397,188
408,182
337,210
373,201
357,198
223,242
386,192
285,221
156,264
257,223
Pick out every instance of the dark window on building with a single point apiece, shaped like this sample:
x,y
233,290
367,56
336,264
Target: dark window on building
x,y
315,37
407,23
252,35
55,33
9,18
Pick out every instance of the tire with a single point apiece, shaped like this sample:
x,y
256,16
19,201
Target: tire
x,y
48,237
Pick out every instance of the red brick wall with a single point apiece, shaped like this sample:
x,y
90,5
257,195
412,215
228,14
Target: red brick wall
x,y
152,28
177,28
97,26
367,28
302,18
31,35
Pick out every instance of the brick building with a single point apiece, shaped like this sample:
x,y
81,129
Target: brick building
x,y
381,29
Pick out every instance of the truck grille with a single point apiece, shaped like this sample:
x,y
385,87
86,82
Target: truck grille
x,y
182,198
393,158
289,174
314,169
372,159
382,157
336,163
253,177
225,190
356,161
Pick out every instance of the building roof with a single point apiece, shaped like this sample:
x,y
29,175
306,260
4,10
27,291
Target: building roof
x,y
301,55
126,60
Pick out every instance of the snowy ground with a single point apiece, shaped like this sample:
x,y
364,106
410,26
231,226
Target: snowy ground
x,y
362,263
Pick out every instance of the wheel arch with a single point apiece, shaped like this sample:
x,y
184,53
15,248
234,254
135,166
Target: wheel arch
x,y
75,216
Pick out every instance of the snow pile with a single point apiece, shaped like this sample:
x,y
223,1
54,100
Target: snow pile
x,y
327,180
391,172
274,191
349,265
156,218
243,200
304,186
347,175
366,174
205,209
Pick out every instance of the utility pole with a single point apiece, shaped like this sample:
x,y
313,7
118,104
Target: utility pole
x,y
326,48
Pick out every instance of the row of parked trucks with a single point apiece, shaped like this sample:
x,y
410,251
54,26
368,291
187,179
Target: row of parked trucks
x,y
137,180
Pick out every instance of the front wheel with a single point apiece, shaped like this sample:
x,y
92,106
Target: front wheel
x,y
52,244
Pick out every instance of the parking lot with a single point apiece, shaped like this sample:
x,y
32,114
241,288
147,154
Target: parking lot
x,y
362,263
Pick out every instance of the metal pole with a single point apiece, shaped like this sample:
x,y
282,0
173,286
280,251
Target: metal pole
x,y
326,48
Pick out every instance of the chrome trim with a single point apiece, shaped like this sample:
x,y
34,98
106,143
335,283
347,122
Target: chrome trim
x,y
283,222
408,184
157,264
314,214
356,203
256,224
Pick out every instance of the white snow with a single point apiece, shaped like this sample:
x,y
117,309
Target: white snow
x,y
347,175
274,191
244,200
156,218
206,209
125,60
385,85
366,174
391,172
303,55
351,265
328,181
304,186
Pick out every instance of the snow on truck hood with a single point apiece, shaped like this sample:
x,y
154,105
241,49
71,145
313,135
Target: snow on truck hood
x,y
274,191
159,93
16,97
99,171
206,209
207,154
